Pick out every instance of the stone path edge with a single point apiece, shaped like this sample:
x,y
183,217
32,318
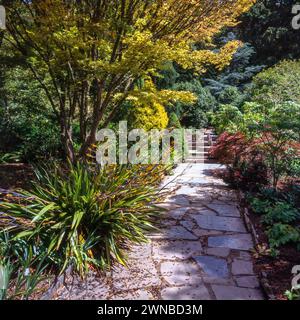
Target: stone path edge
x,y
262,276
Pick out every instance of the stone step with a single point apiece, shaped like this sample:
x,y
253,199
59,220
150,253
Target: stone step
x,y
198,153
200,161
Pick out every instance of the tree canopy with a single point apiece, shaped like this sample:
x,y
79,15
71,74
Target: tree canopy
x,y
89,55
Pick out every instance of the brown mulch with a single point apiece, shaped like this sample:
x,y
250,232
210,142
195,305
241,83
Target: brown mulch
x,y
15,176
278,269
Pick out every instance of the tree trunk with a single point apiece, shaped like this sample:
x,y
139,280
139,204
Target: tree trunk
x,y
67,142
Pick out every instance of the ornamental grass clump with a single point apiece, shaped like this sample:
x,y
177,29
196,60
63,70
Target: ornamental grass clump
x,y
84,217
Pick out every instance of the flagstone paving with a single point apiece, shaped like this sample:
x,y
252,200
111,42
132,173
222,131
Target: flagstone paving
x,y
202,250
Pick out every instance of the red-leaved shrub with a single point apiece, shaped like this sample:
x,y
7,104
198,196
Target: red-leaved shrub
x,y
244,161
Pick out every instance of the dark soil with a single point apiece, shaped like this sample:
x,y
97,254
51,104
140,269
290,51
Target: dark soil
x,y
277,269
15,176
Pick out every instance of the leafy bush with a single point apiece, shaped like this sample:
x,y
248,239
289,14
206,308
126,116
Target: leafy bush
x,y
281,212
174,121
281,234
195,114
27,125
272,131
228,118
147,117
278,84
260,206
280,215
85,218
245,165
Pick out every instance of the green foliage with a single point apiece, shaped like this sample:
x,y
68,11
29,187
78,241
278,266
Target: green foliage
x,y
228,118
281,234
280,215
281,212
28,129
230,95
82,217
260,206
22,267
267,26
174,121
274,129
231,85
278,84
293,294
167,76
147,117
11,157
195,114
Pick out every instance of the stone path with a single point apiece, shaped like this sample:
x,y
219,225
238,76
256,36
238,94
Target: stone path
x,y
201,252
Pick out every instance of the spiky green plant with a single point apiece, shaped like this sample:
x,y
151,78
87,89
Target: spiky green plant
x,y
85,217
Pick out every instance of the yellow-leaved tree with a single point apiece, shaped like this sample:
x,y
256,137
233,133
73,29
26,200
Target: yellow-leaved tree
x,y
89,55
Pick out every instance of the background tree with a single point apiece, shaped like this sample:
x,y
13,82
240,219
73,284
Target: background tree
x,y
194,114
277,84
267,27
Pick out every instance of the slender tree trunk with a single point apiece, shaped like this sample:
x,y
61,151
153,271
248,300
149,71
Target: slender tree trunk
x,y
67,141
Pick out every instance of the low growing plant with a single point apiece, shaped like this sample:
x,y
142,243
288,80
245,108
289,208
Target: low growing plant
x,y
85,217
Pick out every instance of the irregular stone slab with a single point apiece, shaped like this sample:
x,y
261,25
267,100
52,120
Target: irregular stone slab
x,y
133,295
181,273
186,190
176,250
168,222
166,205
202,197
179,200
236,293
175,233
138,252
242,267
245,255
220,223
221,281
213,267
237,241
225,210
203,233
95,287
185,293
188,224
177,213
247,282
139,275
219,252
204,212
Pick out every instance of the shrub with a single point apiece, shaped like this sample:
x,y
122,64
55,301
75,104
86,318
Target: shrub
x,y
270,131
174,121
245,165
147,117
22,267
282,212
281,234
278,84
195,114
228,118
280,216
86,218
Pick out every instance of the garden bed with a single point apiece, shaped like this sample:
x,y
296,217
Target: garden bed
x,y
275,272
15,175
